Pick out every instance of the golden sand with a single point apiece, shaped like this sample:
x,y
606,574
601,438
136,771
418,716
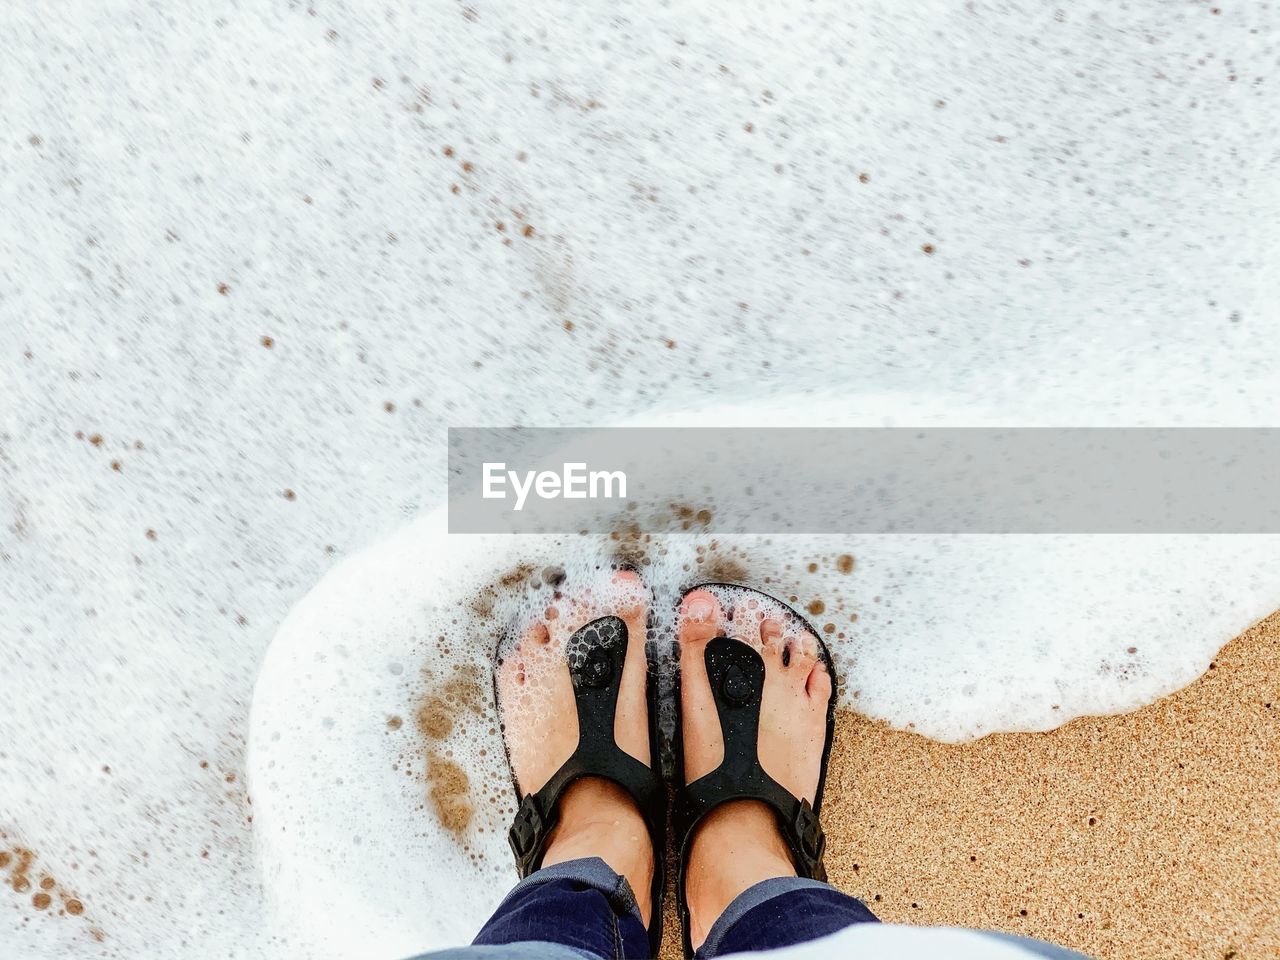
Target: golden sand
x,y
1144,836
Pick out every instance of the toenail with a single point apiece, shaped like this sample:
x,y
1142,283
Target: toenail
x,y
699,609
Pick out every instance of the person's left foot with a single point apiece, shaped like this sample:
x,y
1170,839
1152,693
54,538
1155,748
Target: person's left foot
x,y
540,725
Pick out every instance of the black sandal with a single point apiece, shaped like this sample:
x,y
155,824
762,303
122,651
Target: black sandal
x,y
596,653
736,673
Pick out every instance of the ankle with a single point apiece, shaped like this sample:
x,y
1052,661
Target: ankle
x,y
592,805
737,846
599,819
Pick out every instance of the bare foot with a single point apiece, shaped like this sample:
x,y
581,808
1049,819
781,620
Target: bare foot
x,y
738,844
540,725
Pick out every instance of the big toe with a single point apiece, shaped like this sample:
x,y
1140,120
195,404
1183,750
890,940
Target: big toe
x,y
632,601
699,617
698,620
629,599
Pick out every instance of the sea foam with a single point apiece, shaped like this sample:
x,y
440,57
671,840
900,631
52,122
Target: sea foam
x,y
378,772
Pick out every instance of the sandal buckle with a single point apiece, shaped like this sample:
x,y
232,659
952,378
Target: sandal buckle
x,y
809,832
525,830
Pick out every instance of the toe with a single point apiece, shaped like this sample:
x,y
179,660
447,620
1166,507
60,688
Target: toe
x,y
513,667
802,652
632,601
747,617
536,648
624,578
697,621
699,617
818,683
628,598
511,670
776,656
771,640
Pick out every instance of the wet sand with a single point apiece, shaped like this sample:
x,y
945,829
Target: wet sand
x,y
1147,835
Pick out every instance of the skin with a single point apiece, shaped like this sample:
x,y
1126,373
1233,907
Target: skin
x,y
738,845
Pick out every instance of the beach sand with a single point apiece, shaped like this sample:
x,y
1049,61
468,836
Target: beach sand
x,y
1152,834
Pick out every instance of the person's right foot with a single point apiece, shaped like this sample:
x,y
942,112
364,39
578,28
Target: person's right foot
x,y
738,844
540,725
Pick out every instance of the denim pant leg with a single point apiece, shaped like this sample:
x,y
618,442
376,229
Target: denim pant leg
x,y
781,912
570,911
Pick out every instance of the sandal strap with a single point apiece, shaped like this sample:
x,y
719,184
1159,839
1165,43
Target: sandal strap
x,y
736,673
596,653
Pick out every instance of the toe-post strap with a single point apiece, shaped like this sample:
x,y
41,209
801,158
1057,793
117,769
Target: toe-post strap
x,y
736,673
596,654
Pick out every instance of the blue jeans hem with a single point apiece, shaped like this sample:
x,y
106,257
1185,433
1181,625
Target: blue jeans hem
x,y
749,899
588,871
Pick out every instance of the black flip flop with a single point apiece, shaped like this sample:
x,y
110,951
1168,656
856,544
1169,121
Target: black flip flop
x,y
736,673
596,653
